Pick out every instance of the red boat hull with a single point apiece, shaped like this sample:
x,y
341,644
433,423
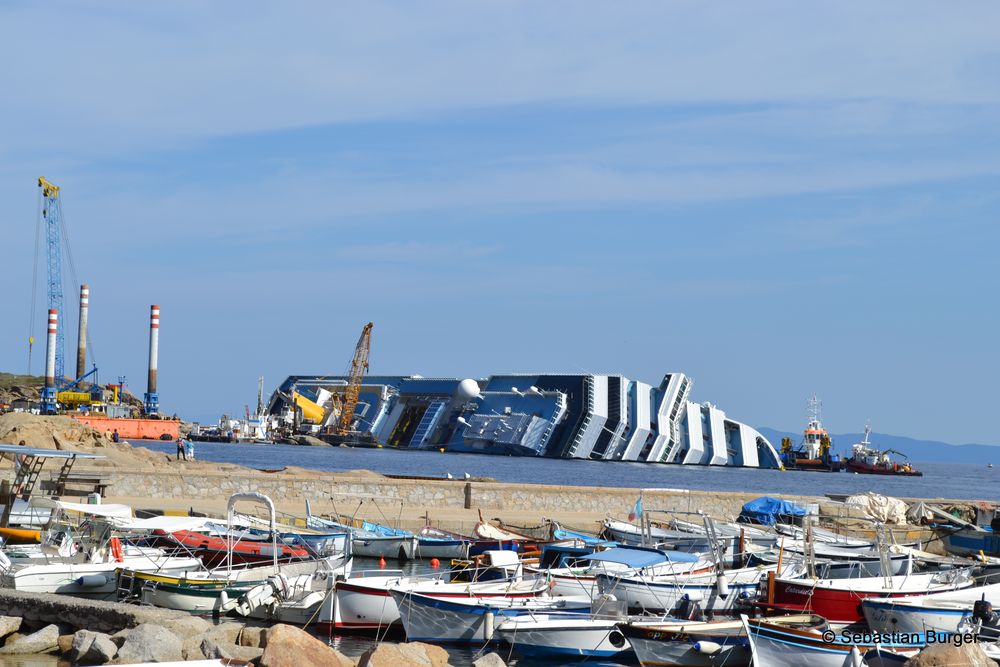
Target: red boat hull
x,y
865,469
213,550
836,606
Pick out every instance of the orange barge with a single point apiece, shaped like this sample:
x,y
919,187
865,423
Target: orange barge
x,y
133,429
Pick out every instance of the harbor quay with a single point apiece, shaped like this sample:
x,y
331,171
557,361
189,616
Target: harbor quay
x,y
409,504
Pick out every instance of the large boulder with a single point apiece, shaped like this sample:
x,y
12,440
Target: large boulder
x,y
189,626
149,642
43,641
9,625
411,654
91,648
253,636
949,655
213,649
489,660
288,646
225,633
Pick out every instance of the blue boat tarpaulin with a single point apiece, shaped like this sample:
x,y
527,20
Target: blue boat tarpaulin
x,y
638,558
767,511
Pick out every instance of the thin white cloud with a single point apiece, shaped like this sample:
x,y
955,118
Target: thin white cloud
x,y
111,76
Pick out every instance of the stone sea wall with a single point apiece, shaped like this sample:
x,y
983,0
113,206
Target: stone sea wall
x,y
435,494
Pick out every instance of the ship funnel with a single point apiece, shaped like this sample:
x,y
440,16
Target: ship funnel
x,y
81,342
49,392
151,401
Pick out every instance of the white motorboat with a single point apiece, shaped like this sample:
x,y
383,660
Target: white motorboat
x,y
470,620
713,591
373,541
564,635
937,612
82,560
580,578
365,602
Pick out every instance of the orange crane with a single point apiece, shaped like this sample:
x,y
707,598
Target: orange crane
x,y
359,366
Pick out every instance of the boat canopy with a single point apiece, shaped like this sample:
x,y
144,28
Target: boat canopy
x,y
768,511
41,452
169,524
639,558
108,511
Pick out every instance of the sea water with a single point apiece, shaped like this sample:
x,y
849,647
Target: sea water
x,y
940,480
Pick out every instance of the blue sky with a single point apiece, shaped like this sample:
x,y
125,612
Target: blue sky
x,y
778,198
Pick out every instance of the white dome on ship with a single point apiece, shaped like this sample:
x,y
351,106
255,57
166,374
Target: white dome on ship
x,y
467,390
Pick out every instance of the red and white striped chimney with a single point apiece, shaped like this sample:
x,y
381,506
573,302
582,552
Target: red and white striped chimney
x,y
81,341
154,346
50,350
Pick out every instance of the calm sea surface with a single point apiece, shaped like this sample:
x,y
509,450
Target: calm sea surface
x,y
940,480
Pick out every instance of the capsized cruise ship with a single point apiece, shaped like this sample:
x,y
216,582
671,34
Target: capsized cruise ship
x,y
578,415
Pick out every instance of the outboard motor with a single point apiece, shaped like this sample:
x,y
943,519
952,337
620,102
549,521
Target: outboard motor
x,y
688,609
987,620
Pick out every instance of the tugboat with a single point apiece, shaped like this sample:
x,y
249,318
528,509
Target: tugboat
x,y
867,460
814,452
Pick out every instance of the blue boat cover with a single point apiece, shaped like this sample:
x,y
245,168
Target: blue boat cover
x,y
766,510
636,558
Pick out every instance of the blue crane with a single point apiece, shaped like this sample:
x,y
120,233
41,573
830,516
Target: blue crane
x,y
52,218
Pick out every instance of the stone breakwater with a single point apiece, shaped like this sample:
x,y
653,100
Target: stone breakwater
x,y
87,632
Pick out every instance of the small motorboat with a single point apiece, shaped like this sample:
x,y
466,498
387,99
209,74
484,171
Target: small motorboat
x,y
369,539
938,612
471,620
565,635
365,603
701,643
776,645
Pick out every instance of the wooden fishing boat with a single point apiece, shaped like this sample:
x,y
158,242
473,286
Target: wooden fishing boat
x,y
365,602
470,620
775,645
702,643
839,600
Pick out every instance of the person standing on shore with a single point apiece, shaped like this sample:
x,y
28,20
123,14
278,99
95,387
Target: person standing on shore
x,y
181,449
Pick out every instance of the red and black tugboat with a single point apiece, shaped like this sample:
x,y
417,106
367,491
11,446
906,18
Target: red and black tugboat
x,y
867,460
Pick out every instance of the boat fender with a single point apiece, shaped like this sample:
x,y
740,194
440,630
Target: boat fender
x,y
707,647
488,625
694,597
722,585
91,580
856,659
224,601
116,550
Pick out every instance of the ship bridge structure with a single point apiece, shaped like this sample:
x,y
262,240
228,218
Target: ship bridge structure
x,y
556,415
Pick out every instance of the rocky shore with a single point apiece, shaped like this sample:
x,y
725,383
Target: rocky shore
x,y
87,632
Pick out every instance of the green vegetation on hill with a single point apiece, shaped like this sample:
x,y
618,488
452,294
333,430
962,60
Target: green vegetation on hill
x,y
8,380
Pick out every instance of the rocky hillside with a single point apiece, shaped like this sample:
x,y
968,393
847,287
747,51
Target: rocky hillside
x,y
65,433
14,387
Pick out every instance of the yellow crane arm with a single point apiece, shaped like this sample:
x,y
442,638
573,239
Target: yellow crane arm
x,y
359,366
